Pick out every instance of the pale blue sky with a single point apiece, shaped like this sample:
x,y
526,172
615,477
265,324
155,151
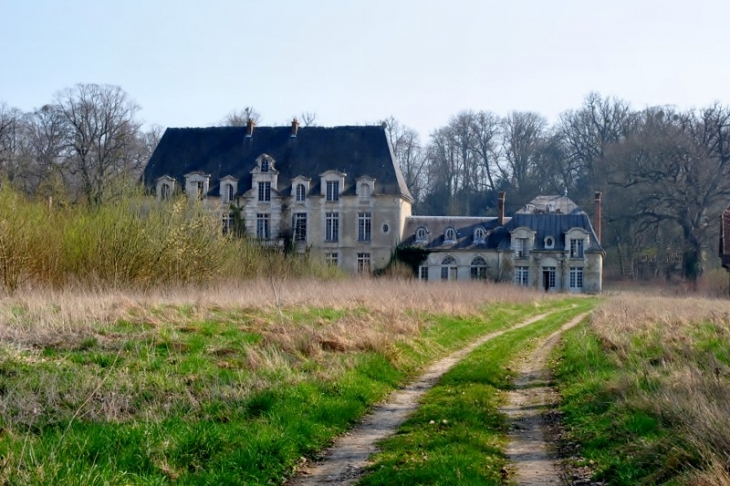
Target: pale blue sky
x,y
189,63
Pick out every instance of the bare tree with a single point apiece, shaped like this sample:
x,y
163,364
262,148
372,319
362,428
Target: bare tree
x,y
46,133
408,153
239,118
308,118
101,134
10,141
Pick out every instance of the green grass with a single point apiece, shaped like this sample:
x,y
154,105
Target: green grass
x,y
458,434
141,404
627,442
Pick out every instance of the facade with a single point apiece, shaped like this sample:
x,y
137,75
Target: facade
x,y
335,192
338,194
549,244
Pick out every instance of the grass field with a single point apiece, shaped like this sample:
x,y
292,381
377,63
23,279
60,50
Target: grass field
x,y
230,385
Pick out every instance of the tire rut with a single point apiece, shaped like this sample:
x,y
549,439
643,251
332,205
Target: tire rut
x,y
344,462
534,461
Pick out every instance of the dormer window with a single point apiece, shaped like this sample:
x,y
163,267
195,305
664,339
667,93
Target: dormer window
x,y
365,186
421,235
364,190
229,193
165,191
479,235
264,165
300,192
450,235
333,190
549,242
197,184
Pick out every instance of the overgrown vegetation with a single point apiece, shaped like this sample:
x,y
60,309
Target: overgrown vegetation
x,y
458,435
646,390
222,388
134,242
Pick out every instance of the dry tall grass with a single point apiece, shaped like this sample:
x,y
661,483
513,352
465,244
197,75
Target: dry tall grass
x,y
682,372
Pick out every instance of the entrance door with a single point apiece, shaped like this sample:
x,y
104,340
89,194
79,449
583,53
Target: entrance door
x,y
546,280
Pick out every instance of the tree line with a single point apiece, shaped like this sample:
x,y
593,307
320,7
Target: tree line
x,y
664,174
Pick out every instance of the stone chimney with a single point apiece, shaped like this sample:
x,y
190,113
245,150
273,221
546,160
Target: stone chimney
x,y
294,127
249,127
501,202
597,217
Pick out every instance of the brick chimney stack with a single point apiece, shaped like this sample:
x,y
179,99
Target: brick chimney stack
x,y
597,217
501,202
249,127
294,127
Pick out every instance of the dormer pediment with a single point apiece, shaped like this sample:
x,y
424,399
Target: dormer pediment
x,y
333,174
196,175
265,165
523,232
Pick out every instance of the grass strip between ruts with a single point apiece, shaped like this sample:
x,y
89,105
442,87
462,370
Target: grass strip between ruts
x,y
458,433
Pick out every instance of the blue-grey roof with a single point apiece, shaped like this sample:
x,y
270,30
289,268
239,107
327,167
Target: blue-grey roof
x,y
221,151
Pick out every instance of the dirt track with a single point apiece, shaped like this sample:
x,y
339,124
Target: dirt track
x,y
534,461
343,463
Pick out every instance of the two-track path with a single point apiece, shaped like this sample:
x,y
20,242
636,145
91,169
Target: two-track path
x,y
534,462
343,463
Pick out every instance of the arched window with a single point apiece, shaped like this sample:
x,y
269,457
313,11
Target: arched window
x,y
264,164
421,235
448,268
450,235
165,191
300,192
478,268
479,235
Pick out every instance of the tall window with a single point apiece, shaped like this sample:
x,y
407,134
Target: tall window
x,y
423,272
523,250
364,224
300,226
576,248
576,278
333,190
364,190
479,268
522,276
263,230
264,165
549,276
331,258
448,268
200,188
363,263
264,191
227,223
165,192
300,192
332,226
228,193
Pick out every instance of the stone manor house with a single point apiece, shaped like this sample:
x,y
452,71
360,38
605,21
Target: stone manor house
x,y
338,193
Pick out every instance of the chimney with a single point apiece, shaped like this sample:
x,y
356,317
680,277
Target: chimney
x,y
597,217
500,207
249,127
294,127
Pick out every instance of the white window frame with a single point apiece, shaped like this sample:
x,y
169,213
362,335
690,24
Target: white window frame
x,y
333,191
522,276
552,271
450,235
263,226
421,235
577,278
332,258
449,268
478,268
363,263
480,235
299,226
523,248
577,247
301,192
264,191
423,272
332,227
165,191
364,226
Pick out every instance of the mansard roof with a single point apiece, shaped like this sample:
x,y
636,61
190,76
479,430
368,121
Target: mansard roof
x,y
564,215
219,151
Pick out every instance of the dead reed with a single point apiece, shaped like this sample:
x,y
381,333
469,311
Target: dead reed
x,y
675,353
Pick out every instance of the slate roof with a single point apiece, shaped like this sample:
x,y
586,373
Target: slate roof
x,y
222,151
554,224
